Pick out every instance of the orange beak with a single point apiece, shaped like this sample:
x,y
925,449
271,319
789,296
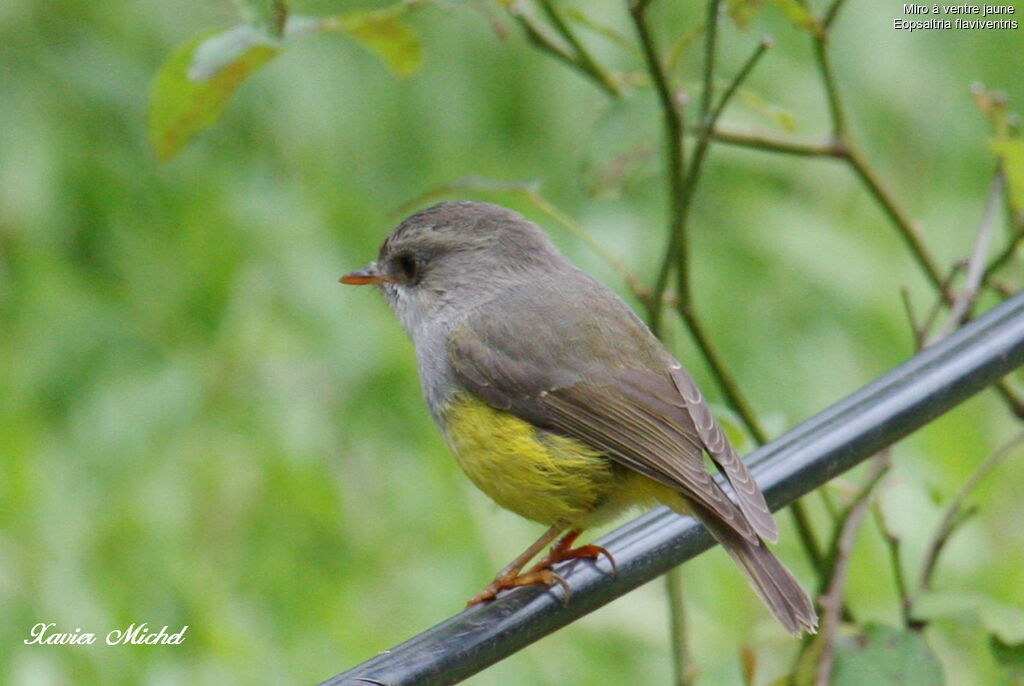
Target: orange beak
x,y
363,277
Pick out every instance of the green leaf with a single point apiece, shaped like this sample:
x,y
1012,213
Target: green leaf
x,y
884,656
1010,655
1011,152
742,11
383,33
1003,621
182,105
195,84
799,15
777,114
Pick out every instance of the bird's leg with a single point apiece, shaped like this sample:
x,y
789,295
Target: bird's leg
x,y
563,550
510,576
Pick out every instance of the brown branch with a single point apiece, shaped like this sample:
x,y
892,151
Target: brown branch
x,y
952,516
894,546
684,671
579,60
846,534
756,141
586,63
675,161
960,310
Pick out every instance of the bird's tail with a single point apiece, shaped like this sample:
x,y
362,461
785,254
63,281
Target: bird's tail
x,y
775,584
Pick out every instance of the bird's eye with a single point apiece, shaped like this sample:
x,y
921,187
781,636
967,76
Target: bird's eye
x,y
408,266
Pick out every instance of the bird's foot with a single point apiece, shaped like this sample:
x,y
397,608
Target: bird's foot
x,y
561,553
506,581
563,550
541,573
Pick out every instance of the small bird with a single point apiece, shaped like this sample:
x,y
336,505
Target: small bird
x,y
558,402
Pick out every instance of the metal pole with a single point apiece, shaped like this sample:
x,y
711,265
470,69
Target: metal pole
x,y
824,446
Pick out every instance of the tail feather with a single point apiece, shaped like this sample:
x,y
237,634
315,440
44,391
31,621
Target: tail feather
x,y
775,584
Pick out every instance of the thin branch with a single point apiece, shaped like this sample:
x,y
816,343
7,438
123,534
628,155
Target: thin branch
x,y
846,534
740,77
1008,252
808,540
835,106
545,43
679,256
675,160
936,309
960,311
639,6
880,466
907,229
676,253
771,144
1011,398
832,13
952,515
710,43
893,544
916,329
684,305
586,62
748,664
684,672
727,384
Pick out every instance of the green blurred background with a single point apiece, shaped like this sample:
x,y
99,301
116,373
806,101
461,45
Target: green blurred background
x,y
199,426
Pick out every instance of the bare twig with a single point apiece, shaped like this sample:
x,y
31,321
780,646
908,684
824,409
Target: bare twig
x,y
809,541
1008,252
1011,398
962,305
684,672
580,61
846,534
677,254
832,13
908,230
766,143
748,664
893,544
586,63
835,106
675,160
936,308
916,329
953,516
710,44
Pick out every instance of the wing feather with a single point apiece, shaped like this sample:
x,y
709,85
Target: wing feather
x,y
748,494
638,417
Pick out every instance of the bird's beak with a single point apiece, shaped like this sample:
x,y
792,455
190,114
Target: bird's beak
x,y
362,277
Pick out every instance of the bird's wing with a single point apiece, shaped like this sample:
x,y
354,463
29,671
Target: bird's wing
x,y
649,421
723,454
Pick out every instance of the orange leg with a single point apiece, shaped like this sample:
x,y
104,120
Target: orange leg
x,y
512,576
563,551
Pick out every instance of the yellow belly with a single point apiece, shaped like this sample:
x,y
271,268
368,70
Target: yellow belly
x,y
539,475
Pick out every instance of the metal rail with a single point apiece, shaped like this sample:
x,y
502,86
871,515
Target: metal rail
x,y
824,446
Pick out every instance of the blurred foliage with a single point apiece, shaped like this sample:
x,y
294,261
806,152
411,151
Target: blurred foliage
x,y
199,426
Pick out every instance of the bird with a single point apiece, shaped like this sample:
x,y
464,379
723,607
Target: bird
x,y
558,402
